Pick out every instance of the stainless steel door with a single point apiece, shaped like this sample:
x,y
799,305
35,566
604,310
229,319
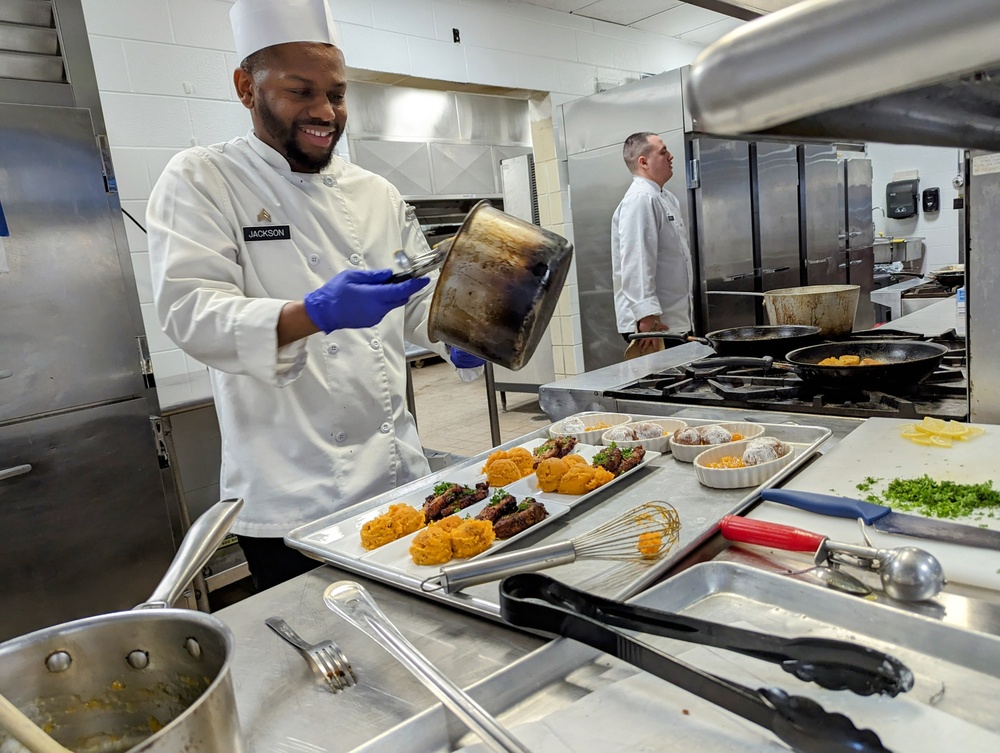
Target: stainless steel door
x,y
723,229
66,331
83,525
860,236
777,208
595,130
982,282
822,202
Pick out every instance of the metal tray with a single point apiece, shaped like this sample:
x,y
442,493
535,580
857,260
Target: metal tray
x,y
957,676
700,510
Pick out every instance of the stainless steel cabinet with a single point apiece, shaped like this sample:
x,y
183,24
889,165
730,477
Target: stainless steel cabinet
x,y
66,332
822,199
776,210
85,529
84,523
723,229
860,236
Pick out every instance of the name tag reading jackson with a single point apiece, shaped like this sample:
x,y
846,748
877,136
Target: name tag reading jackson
x,y
267,233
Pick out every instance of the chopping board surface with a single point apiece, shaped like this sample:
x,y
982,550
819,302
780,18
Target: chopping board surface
x,y
876,450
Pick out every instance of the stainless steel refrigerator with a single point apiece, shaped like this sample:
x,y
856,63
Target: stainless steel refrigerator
x,y
761,214
85,526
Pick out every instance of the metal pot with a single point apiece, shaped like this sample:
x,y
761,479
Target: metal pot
x,y
498,287
832,308
152,679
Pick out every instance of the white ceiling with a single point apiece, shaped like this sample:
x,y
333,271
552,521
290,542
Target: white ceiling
x,y
670,18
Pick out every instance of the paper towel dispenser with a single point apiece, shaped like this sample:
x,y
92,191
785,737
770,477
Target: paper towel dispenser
x,y
901,198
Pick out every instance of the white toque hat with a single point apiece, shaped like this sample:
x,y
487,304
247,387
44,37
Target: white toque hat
x,y
262,23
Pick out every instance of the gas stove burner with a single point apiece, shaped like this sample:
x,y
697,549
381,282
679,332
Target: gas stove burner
x,y
743,383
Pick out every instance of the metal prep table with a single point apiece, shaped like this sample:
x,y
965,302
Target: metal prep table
x,y
281,707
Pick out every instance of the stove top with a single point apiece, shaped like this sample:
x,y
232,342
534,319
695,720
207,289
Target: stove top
x,y
944,394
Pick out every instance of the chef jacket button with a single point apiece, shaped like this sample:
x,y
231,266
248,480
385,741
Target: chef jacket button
x,y
375,343
314,259
385,428
328,181
332,349
341,436
355,258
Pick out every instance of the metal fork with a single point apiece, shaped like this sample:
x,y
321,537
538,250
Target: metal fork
x,y
325,657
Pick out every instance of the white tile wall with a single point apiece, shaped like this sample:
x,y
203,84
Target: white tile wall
x,y
936,167
145,51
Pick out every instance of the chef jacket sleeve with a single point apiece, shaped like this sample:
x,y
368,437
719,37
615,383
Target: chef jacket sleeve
x,y
198,281
637,228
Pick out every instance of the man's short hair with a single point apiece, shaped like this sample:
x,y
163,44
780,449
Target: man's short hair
x,y
636,146
256,61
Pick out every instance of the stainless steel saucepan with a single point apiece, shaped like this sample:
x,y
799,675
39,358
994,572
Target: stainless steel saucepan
x,y
153,679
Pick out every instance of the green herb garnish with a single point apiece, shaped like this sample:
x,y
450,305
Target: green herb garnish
x,y
498,497
524,505
940,499
868,483
628,452
441,488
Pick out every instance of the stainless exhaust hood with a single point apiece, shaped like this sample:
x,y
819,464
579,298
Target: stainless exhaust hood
x,y
899,71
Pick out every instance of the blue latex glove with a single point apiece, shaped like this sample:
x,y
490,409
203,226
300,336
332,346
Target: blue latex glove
x,y
358,298
463,360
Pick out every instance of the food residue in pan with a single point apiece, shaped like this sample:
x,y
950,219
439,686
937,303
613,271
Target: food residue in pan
x,y
850,360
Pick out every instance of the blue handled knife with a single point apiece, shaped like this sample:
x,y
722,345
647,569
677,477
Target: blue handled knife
x,y
884,519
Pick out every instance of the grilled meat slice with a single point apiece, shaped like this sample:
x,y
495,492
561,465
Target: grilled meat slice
x,y
632,459
610,459
528,513
501,504
450,498
559,447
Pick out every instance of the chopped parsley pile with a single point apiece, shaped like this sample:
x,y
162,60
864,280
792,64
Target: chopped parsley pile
x,y
939,499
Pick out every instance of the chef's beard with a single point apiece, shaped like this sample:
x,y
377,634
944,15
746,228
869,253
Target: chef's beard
x,y
286,136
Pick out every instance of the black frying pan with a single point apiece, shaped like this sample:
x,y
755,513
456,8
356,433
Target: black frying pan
x,y
751,342
904,363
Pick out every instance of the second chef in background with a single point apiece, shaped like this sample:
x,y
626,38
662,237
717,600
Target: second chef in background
x,y
650,255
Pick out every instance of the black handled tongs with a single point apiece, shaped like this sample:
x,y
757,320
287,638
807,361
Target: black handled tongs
x,y
537,601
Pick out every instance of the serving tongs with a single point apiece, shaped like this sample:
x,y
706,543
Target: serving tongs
x,y
536,601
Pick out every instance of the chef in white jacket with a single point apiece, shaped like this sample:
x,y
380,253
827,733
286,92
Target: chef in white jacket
x,y
270,259
650,255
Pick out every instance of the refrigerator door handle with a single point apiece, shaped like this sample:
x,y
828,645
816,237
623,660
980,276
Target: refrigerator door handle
x,y
775,270
14,471
824,260
6,373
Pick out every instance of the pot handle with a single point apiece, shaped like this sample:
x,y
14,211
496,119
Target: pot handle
x,y
198,544
667,336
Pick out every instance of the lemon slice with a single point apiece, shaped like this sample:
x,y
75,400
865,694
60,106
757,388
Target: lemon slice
x,y
954,429
910,431
941,441
974,431
933,425
923,439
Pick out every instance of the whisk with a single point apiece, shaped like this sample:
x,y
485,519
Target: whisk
x,y
643,534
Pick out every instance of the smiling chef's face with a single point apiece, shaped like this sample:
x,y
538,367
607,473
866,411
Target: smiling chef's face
x,y
295,93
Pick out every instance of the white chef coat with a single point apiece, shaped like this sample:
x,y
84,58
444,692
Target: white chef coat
x,y
651,259
321,423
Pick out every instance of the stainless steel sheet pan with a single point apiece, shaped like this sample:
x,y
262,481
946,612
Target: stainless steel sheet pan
x,y
957,671
700,510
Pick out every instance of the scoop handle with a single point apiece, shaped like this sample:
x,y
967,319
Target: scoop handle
x,y
775,535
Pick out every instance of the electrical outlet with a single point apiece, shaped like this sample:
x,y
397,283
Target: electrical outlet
x,y
456,36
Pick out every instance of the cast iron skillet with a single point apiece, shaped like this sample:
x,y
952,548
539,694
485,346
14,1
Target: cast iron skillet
x,y
751,342
904,363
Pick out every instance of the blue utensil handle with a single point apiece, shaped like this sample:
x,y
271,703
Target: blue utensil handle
x,y
827,504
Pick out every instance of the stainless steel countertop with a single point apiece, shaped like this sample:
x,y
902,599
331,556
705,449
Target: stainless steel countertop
x,y
283,708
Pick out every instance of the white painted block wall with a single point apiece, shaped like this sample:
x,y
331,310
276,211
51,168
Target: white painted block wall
x,y
164,68
937,167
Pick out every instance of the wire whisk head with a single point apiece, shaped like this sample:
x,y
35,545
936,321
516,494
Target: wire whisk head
x,y
642,534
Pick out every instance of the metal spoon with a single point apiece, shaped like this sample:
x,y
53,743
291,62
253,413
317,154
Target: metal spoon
x,y
352,601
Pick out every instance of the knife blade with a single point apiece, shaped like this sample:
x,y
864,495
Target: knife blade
x,y
883,518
